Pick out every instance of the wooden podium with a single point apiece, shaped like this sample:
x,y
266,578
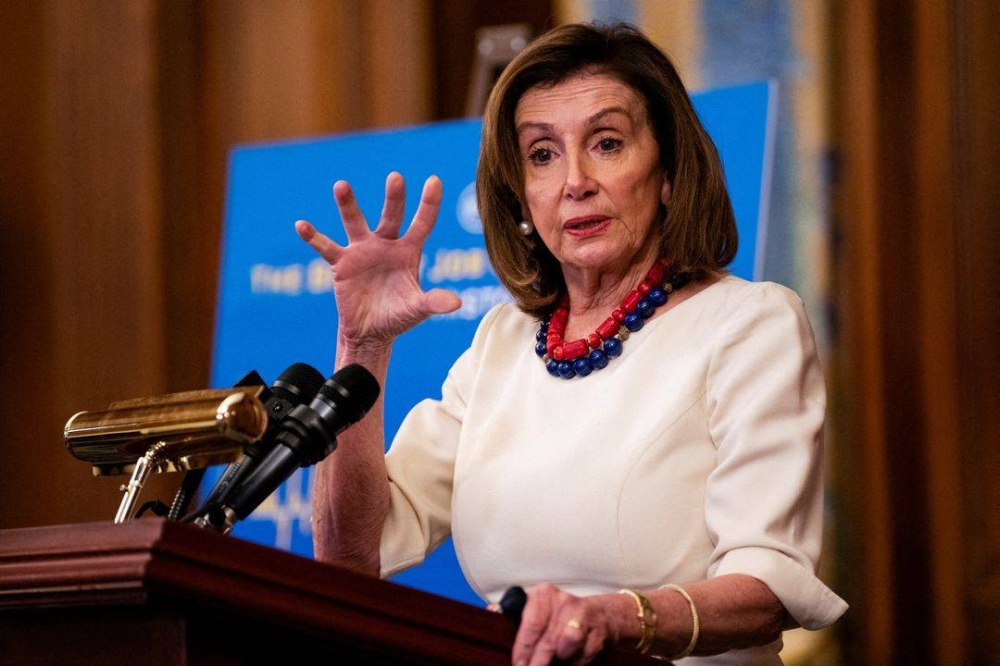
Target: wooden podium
x,y
157,592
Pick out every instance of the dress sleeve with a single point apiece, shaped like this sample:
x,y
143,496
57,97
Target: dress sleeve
x,y
421,466
764,500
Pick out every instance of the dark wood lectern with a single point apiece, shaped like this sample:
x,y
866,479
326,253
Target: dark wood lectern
x,y
157,592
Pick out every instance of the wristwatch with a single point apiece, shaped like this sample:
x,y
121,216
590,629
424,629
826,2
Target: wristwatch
x,y
647,620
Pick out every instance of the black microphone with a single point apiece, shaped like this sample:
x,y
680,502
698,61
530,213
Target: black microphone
x,y
512,603
297,385
307,435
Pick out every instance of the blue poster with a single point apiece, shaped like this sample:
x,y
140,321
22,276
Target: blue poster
x,y
276,303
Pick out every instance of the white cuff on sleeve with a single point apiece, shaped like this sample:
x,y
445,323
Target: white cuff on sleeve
x,y
810,603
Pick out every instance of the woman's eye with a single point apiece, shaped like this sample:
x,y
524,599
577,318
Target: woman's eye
x,y
608,144
540,156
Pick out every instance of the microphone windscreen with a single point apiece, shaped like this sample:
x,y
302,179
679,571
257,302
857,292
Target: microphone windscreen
x,y
298,383
354,389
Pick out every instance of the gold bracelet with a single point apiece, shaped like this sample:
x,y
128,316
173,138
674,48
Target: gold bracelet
x,y
647,620
694,619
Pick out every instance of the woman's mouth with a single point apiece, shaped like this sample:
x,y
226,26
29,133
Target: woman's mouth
x,y
590,225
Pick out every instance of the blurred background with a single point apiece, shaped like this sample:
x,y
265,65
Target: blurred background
x,y
116,118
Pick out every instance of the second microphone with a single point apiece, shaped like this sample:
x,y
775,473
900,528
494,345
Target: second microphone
x,y
307,435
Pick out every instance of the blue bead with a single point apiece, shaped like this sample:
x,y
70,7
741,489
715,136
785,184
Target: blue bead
x,y
657,295
644,308
540,335
540,348
613,347
566,370
582,366
633,322
553,367
544,327
598,359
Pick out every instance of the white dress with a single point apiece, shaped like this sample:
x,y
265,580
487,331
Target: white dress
x,y
696,453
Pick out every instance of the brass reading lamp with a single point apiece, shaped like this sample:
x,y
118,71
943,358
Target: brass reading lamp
x,y
175,432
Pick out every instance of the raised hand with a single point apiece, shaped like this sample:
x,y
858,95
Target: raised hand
x,y
375,277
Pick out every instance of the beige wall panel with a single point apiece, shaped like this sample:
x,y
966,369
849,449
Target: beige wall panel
x,y
676,27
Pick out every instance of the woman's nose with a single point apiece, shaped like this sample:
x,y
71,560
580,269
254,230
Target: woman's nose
x,y
580,183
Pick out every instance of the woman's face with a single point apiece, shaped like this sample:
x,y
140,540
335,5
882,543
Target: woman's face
x,y
593,182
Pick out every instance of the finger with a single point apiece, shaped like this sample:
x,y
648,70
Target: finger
x,y
570,638
319,242
593,646
350,214
441,301
427,211
543,654
534,622
394,206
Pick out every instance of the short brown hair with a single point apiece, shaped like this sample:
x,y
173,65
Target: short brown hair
x,y
697,229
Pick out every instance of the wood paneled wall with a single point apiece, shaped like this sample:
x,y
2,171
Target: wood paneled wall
x,y
917,211
83,282
454,27
116,119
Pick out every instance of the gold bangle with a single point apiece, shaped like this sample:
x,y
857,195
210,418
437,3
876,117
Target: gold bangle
x,y
647,620
696,623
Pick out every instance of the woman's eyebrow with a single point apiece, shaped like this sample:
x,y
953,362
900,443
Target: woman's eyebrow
x,y
604,113
544,127
592,120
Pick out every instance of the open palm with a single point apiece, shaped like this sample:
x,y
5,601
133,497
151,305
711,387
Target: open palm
x,y
376,276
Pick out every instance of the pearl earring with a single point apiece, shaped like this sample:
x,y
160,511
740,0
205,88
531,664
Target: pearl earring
x,y
526,227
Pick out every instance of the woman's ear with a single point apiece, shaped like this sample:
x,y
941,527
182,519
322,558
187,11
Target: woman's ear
x,y
666,191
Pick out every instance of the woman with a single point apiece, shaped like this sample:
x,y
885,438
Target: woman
x,y
668,495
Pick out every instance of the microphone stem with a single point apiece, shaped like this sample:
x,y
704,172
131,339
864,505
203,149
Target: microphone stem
x,y
182,500
144,466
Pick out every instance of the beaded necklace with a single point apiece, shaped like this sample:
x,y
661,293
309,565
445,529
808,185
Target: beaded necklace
x,y
583,356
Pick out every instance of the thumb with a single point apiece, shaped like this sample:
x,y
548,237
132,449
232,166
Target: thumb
x,y
441,301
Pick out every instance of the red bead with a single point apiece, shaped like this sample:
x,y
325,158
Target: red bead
x,y
572,350
658,271
618,315
608,328
633,298
558,353
645,287
550,347
594,340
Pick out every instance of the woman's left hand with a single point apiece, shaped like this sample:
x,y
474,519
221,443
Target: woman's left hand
x,y
556,624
